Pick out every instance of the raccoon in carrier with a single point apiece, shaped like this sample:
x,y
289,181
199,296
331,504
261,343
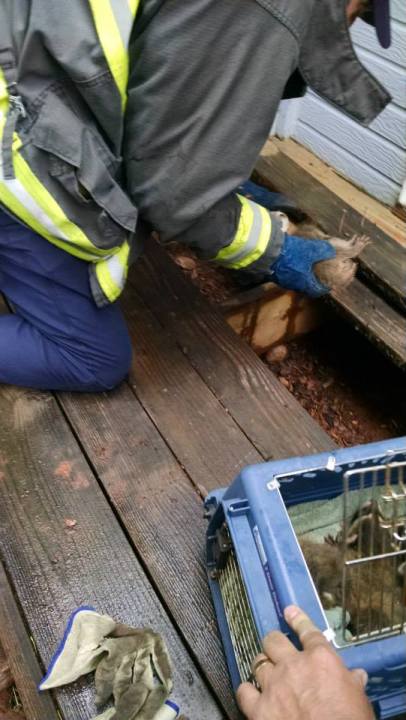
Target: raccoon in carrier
x,y
362,569
327,533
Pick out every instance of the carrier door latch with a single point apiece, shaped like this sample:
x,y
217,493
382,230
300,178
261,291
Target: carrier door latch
x,y
222,547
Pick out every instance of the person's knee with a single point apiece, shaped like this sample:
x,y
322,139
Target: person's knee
x,y
98,370
113,372
109,351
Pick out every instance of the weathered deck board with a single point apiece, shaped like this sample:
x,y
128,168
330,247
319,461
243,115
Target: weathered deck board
x,y
151,493
54,569
162,513
202,435
24,664
199,407
381,323
319,191
265,411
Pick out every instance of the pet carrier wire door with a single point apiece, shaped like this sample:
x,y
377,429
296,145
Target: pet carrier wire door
x,y
374,552
257,566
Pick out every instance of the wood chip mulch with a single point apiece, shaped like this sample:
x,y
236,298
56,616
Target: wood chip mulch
x,y
348,387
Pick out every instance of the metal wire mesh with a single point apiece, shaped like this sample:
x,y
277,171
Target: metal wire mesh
x,y
374,546
241,625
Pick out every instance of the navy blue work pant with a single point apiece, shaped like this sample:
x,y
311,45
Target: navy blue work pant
x,y
57,339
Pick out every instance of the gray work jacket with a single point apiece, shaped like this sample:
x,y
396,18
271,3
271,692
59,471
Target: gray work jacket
x,y
205,79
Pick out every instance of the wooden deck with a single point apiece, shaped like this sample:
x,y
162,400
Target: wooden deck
x,y
130,469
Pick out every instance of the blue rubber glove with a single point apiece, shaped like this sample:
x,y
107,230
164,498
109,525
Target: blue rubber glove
x,y
271,200
293,268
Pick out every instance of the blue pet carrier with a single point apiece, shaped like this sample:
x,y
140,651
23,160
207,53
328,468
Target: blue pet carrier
x,y
351,503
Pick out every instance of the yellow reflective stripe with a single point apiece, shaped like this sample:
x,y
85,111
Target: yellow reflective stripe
x,y
252,237
107,284
263,240
19,210
3,94
243,231
112,272
31,202
78,243
111,41
133,6
25,189
25,194
4,103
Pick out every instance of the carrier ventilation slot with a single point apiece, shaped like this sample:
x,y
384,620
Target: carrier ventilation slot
x,y
241,624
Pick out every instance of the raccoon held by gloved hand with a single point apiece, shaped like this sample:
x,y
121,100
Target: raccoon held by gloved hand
x,y
339,271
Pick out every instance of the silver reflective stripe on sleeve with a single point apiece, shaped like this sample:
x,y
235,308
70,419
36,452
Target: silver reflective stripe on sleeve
x,y
251,239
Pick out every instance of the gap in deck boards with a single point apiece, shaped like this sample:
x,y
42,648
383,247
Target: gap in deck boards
x,y
354,393
345,384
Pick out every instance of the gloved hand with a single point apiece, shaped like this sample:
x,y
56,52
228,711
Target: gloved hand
x,y
293,269
272,201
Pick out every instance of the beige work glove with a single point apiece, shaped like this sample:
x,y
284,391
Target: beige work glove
x,y
135,669
131,665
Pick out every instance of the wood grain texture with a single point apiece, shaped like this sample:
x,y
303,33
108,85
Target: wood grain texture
x,y
265,411
200,432
55,567
162,513
383,325
328,199
6,679
275,319
24,664
367,207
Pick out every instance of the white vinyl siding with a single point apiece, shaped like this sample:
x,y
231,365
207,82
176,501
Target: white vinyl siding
x,y
374,158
